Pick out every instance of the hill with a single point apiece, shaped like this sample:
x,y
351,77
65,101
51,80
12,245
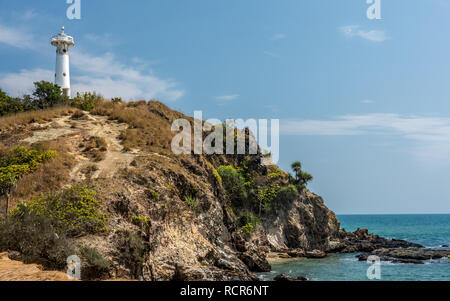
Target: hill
x,y
115,194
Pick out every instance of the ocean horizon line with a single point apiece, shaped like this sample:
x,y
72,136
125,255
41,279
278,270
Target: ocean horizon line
x,y
388,214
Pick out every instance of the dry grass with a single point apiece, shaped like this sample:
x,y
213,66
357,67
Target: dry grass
x,y
78,115
95,148
49,176
149,123
12,121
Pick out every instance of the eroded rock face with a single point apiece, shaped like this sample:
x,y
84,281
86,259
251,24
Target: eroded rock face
x,y
304,224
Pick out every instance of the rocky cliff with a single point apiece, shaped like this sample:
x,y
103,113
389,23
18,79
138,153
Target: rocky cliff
x,y
174,217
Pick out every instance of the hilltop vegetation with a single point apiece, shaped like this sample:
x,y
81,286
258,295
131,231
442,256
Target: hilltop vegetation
x,y
106,184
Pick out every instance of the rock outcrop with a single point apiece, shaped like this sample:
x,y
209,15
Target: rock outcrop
x,y
193,231
401,255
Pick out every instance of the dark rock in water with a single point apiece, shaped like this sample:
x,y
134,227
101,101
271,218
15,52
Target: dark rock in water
x,y
315,254
362,241
413,261
415,256
445,246
283,277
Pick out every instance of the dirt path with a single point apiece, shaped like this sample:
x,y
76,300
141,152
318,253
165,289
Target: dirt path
x,y
85,127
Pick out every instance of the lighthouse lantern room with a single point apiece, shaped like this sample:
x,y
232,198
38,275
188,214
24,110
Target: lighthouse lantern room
x,y
62,42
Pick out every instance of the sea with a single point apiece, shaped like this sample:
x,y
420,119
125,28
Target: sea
x,y
431,231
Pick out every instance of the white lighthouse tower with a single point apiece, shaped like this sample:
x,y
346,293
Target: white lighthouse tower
x,y
62,42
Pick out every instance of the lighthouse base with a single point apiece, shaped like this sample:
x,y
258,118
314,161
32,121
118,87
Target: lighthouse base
x,y
66,92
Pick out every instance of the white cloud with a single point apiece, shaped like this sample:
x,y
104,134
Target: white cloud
x,y
18,84
16,37
412,127
430,134
371,35
271,54
227,97
112,78
278,36
367,101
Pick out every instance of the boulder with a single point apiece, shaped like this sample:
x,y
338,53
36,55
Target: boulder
x,y
283,277
255,261
315,254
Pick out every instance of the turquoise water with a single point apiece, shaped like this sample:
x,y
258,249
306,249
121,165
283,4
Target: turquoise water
x,y
432,231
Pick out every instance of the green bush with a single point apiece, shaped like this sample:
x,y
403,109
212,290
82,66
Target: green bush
x,y
248,229
18,162
266,197
233,182
152,194
9,105
191,201
287,193
35,238
75,210
85,101
45,95
141,221
132,250
94,266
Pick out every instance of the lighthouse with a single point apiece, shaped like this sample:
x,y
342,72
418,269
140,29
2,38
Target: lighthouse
x,y
62,42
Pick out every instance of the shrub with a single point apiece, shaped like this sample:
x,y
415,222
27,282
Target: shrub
x,y
191,201
141,221
9,105
248,229
152,194
34,237
131,251
233,182
94,266
287,193
75,210
17,163
266,196
85,101
274,175
217,177
51,175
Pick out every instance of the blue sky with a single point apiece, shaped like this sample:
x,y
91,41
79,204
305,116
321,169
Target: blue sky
x,y
364,104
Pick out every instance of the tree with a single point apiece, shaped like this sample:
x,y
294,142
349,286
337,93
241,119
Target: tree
x,y
47,95
9,105
301,178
